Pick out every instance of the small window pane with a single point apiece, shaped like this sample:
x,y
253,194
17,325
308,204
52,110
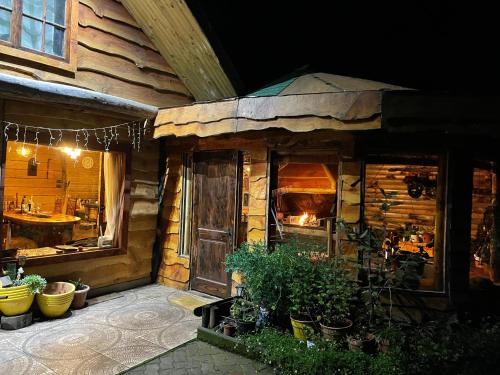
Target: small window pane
x,y
54,40
5,17
56,10
31,36
33,8
6,3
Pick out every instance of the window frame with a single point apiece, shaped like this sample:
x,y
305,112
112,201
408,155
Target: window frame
x,y
412,157
16,53
122,247
184,249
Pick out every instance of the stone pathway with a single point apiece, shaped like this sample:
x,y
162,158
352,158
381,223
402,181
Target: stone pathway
x,y
104,338
200,358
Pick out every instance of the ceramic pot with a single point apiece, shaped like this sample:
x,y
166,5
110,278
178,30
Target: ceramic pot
x,y
12,306
302,329
245,327
366,345
337,332
229,329
80,297
56,299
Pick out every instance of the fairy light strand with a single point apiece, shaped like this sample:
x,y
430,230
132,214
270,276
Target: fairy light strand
x,y
110,133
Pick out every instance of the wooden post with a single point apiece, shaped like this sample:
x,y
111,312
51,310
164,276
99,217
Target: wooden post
x,y
3,146
459,208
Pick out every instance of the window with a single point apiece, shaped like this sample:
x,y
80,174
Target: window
x,y
485,261
402,213
73,202
186,204
37,26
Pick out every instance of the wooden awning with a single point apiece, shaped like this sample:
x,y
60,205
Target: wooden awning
x,y
12,87
337,103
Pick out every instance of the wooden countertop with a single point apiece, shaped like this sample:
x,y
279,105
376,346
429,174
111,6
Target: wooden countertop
x,y
55,219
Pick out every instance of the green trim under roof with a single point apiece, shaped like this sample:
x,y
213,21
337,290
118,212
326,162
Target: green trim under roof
x,y
274,89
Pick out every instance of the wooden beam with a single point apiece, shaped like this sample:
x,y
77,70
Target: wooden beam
x,y
28,89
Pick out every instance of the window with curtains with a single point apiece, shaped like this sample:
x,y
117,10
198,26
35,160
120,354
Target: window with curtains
x,y
60,200
41,27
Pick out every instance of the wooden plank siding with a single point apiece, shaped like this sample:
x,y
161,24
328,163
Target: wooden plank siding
x,y
114,57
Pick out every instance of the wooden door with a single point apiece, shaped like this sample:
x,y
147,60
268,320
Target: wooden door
x,y
215,176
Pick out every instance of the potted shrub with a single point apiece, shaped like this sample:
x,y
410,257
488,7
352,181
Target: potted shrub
x,y
20,296
228,327
304,295
362,340
244,313
388,337
81,291
335,292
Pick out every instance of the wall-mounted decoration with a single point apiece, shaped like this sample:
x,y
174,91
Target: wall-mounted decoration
x,y
87,162
32,167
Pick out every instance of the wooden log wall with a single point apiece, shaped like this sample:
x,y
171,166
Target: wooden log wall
x,y
84,182
136,263
417,211
114,57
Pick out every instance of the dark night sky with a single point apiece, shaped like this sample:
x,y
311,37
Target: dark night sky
x,y
431,45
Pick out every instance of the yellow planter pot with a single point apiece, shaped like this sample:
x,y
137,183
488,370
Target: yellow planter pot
x,y
56,299
16,290
302,329
16,306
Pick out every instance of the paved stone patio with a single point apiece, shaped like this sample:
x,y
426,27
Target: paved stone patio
x,y
108,337
200,358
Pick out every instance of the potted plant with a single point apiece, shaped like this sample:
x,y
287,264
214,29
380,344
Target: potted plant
x,y
387,338
335,292
228,327
21,294
244,314
81,291
304,295
362,340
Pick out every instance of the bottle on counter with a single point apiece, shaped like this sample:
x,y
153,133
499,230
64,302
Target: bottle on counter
x,y
24,203
30,204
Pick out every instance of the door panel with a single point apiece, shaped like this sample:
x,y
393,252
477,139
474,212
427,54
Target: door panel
x,y
215,176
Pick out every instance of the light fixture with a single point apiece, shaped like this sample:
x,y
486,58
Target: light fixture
x,y
72,152
23,151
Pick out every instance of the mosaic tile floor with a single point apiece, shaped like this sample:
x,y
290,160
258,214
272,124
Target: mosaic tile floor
x,y
106,337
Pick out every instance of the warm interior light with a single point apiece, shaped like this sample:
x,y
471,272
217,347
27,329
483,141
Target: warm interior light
x,y
23,151
72,152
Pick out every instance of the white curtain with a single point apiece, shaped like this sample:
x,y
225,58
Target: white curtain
x,y
114,185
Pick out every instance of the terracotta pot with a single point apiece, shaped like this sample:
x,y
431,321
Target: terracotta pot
x,y
80,297
229,329
335,333
366,345
383,346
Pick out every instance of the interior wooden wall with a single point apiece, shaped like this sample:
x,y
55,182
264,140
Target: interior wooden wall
x,y
83,182
136,263
43,187
114,56
484,190
418,211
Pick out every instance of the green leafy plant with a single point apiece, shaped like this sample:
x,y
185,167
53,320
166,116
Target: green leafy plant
x,y
36,283
11,271
335,291
78,284
243,310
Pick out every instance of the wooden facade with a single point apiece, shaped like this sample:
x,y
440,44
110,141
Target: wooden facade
x,y
113,56
400,134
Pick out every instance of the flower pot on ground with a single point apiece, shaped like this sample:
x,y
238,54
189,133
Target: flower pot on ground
x,y
362,343
337,330
388,338
303,327
229,328
20,297
55,299
80,296
336,289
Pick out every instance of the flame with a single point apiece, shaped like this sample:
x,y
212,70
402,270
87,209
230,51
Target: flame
x,y
306,218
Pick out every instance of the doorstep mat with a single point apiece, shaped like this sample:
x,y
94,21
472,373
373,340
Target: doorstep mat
x,y
189,302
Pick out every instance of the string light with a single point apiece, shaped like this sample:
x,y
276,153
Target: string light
x,y
36,140
110,133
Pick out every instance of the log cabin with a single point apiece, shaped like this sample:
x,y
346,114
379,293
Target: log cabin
x,y
69,70
294,157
